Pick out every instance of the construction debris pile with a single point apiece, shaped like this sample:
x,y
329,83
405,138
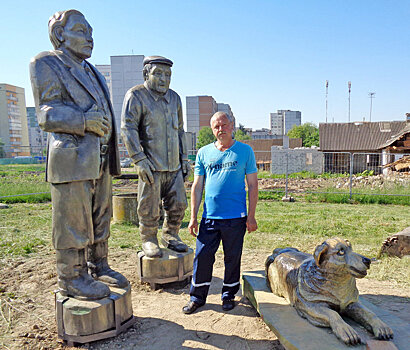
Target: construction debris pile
x,y
402,165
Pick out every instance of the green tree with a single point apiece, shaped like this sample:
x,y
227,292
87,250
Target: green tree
x,y
242,127
240,135
2,152
308,132
205,137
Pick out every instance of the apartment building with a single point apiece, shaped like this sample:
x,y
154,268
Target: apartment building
x,y
13,121
124,72
200,109
283,120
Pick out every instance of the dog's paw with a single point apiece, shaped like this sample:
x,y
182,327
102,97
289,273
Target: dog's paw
x,y
382,330
347,334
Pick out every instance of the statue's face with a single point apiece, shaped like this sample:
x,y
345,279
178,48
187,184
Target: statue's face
x,y
159,78
77,37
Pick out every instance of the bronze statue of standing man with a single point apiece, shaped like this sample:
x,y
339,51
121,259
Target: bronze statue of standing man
x,y
153,131
73,105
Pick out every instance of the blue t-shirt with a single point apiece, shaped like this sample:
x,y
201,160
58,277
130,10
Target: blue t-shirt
x,y
225,195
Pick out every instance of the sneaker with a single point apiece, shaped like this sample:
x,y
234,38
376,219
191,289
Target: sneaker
x,y
190,307
228,305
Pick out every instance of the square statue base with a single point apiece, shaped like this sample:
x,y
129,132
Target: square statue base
x,y
84,321
173,269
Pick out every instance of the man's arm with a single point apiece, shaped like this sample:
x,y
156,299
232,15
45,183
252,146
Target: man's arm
x,y
252,182
196,197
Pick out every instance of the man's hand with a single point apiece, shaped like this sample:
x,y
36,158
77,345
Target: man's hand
x,y
193,227
96,121
144,170
251,224
186,169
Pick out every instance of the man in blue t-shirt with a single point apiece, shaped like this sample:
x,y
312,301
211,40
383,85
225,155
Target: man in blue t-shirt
x,y
222,167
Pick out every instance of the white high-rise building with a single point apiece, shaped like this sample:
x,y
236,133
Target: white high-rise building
x,y
283,120
105,70
123,73
13,121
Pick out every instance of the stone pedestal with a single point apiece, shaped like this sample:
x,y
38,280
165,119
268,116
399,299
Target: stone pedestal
x,y
80,321
170,268
296,333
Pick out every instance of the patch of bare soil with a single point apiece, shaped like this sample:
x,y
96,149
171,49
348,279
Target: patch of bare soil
x,y
27,319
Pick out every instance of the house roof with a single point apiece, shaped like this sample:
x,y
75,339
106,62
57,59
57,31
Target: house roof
x,y
357,136
396,137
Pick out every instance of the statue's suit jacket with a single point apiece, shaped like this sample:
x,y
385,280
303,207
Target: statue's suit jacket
x,y
62,94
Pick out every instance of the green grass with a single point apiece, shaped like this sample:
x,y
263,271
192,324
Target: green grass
x,y
25,230
398,195
23,178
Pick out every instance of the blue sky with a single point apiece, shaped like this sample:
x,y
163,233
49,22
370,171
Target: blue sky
x,y
258,56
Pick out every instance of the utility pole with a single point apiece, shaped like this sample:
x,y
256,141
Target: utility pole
x,y
371,96
327,87
349,86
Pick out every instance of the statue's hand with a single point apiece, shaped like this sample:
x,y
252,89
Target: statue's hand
x,y
186,169
144,170
96,121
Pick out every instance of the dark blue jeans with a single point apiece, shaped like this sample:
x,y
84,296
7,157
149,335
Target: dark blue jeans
x,y
211,232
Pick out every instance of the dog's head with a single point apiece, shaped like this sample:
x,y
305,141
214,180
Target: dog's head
x,y
335,255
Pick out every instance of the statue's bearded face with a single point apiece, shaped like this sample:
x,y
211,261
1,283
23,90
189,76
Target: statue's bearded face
x,y
159,78
77,37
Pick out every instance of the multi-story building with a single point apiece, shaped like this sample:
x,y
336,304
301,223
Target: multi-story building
x,y
13,121
123,73
200,109
105,70
283,120
226,108
264,134
37,137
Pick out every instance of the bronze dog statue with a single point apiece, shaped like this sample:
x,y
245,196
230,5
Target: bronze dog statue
x,y
323,285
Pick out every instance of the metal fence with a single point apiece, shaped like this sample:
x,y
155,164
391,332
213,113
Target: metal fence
x,y
312,171
17,154
306,171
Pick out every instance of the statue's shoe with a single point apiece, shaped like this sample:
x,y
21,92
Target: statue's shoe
x,y
83,287
101,271
175,245
151,250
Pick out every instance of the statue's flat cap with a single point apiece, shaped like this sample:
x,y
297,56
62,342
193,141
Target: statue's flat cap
x,y
157,60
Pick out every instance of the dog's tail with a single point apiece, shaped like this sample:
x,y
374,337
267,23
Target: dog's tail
x,y
271,258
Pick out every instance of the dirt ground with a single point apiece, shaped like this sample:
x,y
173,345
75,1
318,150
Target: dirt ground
x,y
27,303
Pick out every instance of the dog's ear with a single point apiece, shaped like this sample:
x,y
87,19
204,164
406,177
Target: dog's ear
x,y
320,252
348,243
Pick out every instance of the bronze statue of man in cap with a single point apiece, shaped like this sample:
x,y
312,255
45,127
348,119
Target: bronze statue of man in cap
x,y
153,131
73,104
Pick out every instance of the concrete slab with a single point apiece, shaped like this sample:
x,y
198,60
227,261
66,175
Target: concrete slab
x,y
296,333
